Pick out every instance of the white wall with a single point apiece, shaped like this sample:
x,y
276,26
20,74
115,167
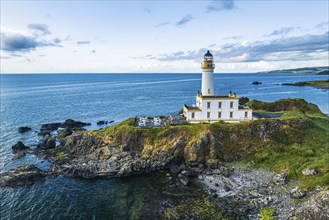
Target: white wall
x,y
238,114
207,82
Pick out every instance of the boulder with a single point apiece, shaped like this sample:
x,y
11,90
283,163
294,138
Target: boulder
x,y
125,148
195,151
19,155
280,178
19,146
184,180
51,143
102,122
297,193
47,142
44,132
70,123
110,122
309,172
174,169
256,83
23,176
317,207
50,127
24,129
64,133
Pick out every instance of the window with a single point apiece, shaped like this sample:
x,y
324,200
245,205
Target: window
x,y
219,104
219,114
208,91
208,104
246,114
208,114
231,104
192,114
231,114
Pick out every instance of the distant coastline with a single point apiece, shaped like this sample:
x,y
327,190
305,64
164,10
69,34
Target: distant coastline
x,y
321,70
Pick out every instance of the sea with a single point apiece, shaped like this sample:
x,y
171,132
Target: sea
x,y
34,99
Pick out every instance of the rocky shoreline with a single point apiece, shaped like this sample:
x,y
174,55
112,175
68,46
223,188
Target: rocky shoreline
x,y
189,155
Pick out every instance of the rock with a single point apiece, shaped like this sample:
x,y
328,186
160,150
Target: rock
x,y
317,207
167,174
24,129
297,193
19,155
102,122
174,169
225,171
47,142
64,133
70,123
110,122
125,148
195,151
44,132
50,127
256,83
51,143
22,176
19,146
184,180
191,172
280,178
212,163
309,172
184,172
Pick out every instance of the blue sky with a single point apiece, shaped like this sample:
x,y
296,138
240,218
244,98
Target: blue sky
x,y
161,36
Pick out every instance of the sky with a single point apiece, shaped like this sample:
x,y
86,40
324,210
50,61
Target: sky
x,y
162,36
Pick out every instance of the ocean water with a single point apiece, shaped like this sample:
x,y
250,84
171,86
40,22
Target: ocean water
x,y
32,100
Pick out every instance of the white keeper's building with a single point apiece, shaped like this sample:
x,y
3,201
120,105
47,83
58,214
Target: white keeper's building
x,y
210,107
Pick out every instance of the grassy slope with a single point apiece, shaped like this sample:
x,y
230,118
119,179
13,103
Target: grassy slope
x,y
316,83
293,148
310,150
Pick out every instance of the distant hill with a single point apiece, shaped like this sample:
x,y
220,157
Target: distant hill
x,y
322,70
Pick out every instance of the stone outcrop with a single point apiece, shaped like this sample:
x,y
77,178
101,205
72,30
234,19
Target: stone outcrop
x,y
317,207
22,176
24,129
18,147
129,152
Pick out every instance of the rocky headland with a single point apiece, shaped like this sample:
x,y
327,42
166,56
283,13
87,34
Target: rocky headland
x,y
281,154
320,84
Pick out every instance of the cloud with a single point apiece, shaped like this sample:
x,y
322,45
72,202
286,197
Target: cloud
x,y
148,11
187,18
162,24
83,42
305,47
221,5
93,51
235,37
323,25
15,42
40,28
281,31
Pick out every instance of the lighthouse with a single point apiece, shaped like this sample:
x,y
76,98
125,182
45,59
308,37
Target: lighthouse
x,y
207,67
213,108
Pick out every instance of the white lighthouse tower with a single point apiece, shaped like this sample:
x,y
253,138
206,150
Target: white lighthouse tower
x,y
210,107
207,88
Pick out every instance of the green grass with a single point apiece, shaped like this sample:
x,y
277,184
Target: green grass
x,y
306,148
302,142
267,213
316,83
